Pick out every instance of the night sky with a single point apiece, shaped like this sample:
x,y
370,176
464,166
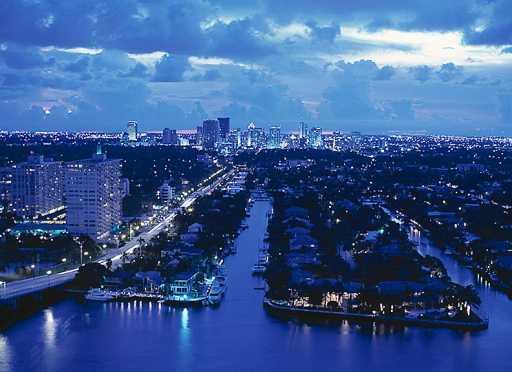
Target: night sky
x,y
415,66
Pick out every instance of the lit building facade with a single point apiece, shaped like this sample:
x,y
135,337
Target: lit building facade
x,y
93,196
37,187
275,137
303,130
132,130
315,138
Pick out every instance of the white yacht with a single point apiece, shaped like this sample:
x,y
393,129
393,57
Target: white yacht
x,y
99,294
216,293
258,269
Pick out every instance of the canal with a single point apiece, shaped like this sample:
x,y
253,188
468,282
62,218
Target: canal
x,y
240,336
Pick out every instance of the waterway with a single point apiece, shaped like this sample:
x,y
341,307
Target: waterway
x,y
240,336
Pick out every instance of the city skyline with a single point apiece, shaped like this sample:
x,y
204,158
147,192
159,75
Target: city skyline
x,y
375,67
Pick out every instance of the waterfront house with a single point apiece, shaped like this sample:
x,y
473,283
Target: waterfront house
x,y
183,282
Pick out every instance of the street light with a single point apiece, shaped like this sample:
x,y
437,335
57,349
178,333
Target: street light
x,y
64,260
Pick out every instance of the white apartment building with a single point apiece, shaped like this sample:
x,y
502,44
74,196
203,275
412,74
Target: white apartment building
x,y
37,187
93,196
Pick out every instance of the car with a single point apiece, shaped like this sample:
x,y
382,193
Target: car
x,y
3,284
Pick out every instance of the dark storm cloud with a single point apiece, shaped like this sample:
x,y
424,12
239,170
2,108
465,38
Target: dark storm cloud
x,y
171,68
498,28
239,39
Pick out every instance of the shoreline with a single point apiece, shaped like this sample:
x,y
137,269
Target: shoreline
x,y
277,309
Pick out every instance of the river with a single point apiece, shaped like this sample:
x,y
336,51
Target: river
x,y
240,336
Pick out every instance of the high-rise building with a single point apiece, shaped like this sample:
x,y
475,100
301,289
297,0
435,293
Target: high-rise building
x,y
210,134
223,127
132,129
303,130
315,137
93,196
37,186
165,193
169,137
255,137
275,137
6,176
235,138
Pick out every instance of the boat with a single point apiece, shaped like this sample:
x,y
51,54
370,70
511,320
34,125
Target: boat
x,y
216,293
258,269
189,299
99,294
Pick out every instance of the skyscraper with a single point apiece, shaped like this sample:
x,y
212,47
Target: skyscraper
x,y
223,127
165,193
132,129
169,137
37,186
303,130
235,138
275,137
199,135
210,134
93,196
315,137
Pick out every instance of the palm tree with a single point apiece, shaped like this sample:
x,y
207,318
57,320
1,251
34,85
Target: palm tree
x,y
141,242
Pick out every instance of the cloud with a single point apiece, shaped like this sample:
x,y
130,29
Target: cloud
x,y
449,71
79,66
385,73
471,80
239,39
95,61
256,96
323,33
209,75
421,73
171,68
138,71
498,27
23,58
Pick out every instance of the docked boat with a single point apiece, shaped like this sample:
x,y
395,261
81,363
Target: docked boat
x,y
189,299
258,269
99,294
216,292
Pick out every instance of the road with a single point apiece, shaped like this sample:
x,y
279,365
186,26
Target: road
x,y
26,286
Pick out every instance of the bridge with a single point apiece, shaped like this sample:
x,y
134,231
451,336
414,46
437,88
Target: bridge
x,y
30,286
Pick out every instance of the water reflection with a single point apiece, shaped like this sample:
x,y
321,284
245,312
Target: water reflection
x,y
5,354
50,329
